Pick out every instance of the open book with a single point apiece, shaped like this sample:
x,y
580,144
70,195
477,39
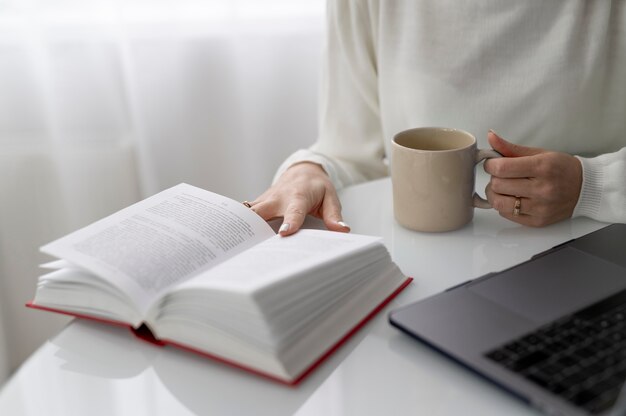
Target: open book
x,y
194,269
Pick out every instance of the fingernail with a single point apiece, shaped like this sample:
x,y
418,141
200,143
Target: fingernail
x,y
283,228
343,224
494,132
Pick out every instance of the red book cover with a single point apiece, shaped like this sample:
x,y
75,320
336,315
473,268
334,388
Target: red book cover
x,y
143,332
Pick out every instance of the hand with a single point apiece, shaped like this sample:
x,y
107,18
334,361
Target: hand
x,y
547,183
303,189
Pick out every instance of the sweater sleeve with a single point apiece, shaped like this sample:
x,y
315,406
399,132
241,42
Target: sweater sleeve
x,y
350,144
603,192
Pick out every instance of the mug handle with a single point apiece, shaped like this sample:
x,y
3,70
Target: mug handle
x,y
482,154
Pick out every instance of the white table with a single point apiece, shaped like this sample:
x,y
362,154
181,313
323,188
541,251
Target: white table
x,y
93,369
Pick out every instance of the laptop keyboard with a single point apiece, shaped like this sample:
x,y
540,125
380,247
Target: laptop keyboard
x,y
580,357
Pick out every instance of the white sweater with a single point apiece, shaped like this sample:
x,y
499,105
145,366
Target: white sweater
x,y
548,74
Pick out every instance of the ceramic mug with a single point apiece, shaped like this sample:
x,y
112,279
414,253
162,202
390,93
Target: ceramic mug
x,y
433,175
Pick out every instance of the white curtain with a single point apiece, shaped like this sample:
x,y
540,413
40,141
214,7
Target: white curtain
x,y
105,102
4,365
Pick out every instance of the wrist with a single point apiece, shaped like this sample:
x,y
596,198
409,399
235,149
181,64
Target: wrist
x,y
307,166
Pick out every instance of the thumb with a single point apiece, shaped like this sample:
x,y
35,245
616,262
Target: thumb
x,y
509,149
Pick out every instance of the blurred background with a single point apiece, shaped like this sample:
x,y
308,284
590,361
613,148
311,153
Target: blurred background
x,y
105,102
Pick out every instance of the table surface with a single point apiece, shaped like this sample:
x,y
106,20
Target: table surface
x,y
95,369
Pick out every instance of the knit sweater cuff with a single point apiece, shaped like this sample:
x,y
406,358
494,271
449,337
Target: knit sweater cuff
x,y
591,190
306,155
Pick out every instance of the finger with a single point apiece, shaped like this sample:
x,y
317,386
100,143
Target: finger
x,y
529,219
509,167
498,201
505,204
331,213
523,219
266,209
294,216
512,186
509,149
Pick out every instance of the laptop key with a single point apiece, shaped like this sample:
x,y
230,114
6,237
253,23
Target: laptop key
x,y
584,397
529,360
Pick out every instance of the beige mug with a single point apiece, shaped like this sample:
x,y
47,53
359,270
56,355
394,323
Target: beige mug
x,y
433,175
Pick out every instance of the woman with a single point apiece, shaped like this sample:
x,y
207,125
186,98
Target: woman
x,y
550,75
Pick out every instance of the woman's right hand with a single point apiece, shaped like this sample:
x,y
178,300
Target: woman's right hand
x,y
303,189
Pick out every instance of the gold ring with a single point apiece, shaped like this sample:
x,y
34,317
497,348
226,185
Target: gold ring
x,y
517,207
247,204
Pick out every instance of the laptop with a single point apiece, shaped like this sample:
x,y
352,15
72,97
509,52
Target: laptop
x,y
551,331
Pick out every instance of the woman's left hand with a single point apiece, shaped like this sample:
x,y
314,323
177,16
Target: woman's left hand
x,y
546,183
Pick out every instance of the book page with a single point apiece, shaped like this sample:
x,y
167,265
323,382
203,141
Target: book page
x,y
279,257
163,240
